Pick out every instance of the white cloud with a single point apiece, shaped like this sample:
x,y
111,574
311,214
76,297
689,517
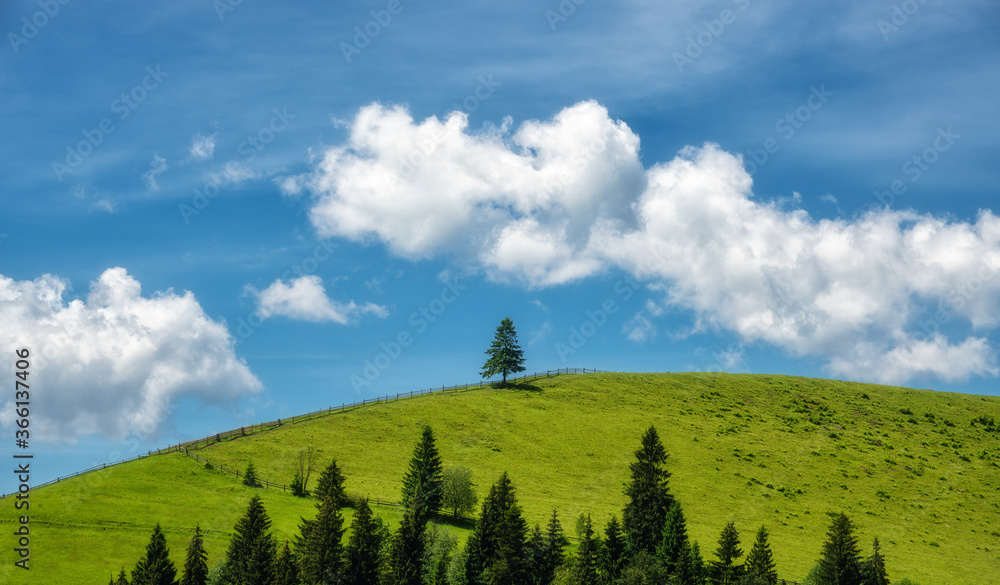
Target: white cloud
x,y
114,362
233,173
563,199
523,204
639,328
305,299
105,205
203,147
158,166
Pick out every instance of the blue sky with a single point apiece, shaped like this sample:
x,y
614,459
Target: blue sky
x,y
216,213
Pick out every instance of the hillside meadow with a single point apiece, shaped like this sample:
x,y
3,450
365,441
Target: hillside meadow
x,y
906,465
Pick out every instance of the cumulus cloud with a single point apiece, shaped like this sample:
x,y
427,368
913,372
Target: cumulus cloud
x,y
113,363
305,299
563,199
203,147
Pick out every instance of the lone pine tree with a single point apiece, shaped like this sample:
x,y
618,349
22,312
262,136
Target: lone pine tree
x,y
505,355
423,480
648,496
155,568
196,562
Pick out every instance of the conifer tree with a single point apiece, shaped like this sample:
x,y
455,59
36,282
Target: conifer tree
x,y
587,557
505,355
497,544
874,567
726,571
699,572
250,558
422,483
840,564
675,539
122,579
196,563
545,551
331,485
760,561
648,496
406,553
250,476
363,554
286,571
613,551
320,561
155,568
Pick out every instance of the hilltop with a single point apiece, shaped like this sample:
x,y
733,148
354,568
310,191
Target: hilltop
x,y
908,466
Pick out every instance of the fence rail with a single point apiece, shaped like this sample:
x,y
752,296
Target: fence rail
x,y
260,427
344,406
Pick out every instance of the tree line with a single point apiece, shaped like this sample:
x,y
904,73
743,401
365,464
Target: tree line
x,y
650,545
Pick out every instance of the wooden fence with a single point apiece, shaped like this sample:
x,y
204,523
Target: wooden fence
x,y
259,427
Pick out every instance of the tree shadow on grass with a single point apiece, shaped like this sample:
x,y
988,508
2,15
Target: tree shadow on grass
x,y
460,522
524,386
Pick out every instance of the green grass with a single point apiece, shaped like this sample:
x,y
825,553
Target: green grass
x,y
773,450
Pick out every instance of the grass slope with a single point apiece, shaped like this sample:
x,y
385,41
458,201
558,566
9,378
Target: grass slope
x,y
773,450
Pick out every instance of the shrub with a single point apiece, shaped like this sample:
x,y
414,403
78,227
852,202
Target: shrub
x,y
298,488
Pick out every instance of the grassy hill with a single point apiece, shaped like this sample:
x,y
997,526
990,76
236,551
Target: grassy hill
x,y
905,464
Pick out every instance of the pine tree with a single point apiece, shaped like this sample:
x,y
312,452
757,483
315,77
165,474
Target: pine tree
x,y
196,563
497,544
155,568
122,579
547,551
505,355
613,552
363,554
331,485
405,553
587,557
874,567
286,571
726,571
250,476
422,483
320,561
699,573
840,564
648,496
760,561
675,539
250,558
